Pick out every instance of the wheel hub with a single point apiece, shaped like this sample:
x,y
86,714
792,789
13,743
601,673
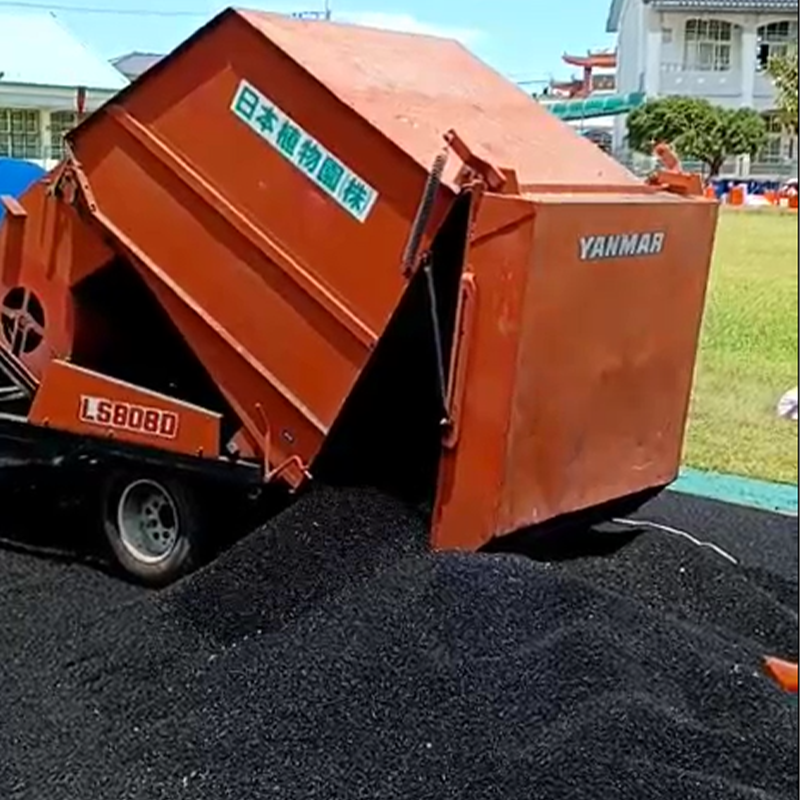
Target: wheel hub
x,y
148,521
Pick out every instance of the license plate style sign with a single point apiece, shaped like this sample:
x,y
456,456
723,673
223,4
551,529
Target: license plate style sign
x,y
297,146
116,414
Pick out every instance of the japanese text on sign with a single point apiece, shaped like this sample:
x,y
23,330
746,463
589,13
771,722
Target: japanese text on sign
x,y
263,117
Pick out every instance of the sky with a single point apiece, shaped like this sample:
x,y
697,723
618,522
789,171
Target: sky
x,y
524,39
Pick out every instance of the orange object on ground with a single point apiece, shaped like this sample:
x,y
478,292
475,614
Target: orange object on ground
x,y
783,672
736,195
255,228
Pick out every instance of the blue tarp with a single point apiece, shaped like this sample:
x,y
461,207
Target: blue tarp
x,y
723,185
16,176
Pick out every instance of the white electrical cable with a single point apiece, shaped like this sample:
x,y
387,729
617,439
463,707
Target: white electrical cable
x,y
677,532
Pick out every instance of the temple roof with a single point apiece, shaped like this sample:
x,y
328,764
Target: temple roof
x,y
602,60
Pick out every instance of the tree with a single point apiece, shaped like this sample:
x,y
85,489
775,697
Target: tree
x,y
783,71
697,130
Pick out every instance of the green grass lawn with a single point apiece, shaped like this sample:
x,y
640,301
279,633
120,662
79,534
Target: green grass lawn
x,y
748,355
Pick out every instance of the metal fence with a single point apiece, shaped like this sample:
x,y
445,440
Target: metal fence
x,y
733,169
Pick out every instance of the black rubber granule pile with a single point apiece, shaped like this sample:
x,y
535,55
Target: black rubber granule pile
x,y
329,656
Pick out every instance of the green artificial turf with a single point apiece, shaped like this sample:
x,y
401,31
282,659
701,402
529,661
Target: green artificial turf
x,y
748,354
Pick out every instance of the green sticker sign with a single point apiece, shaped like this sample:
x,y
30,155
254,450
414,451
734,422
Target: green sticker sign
x,y
280,131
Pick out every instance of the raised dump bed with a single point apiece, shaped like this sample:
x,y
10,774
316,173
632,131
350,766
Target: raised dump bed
x,y
331,252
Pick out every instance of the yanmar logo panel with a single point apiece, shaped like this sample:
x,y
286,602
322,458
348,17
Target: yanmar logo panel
x,y
122,416
621,245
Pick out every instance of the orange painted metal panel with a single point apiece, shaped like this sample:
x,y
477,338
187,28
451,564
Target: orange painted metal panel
x,y
607,353
413,88
472,473
84,402
56,249
280,289
588,318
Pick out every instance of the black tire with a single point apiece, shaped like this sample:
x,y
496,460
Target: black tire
x,y
154,541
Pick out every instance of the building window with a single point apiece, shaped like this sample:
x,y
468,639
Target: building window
x,y
61,123
604,83
781,145
20,134
708,45
775,40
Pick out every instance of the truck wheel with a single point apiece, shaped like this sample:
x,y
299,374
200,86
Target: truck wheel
x,y
154,527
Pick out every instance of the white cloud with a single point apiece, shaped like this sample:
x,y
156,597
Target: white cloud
x,y
406,23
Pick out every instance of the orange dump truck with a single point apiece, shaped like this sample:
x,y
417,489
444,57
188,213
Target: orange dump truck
x,y
300,251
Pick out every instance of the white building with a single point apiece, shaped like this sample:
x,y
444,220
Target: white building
x,y
42,67
716,49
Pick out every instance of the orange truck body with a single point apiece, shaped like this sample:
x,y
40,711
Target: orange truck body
x,y
262,183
